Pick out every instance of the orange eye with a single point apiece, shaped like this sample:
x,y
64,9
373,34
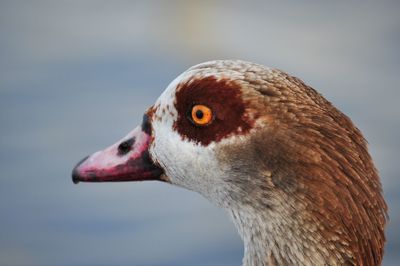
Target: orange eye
x,y
201,115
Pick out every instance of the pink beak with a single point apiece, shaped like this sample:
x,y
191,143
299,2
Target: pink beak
x,y
126,160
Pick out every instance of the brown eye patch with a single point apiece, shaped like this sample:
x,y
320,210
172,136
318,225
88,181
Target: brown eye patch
x,y
222,97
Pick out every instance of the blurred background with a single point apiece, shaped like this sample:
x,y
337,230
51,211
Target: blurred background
x,y
75,76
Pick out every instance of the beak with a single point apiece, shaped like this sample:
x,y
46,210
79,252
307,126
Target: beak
x,y
126,160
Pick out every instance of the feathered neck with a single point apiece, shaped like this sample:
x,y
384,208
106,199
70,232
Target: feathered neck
x,y
284,235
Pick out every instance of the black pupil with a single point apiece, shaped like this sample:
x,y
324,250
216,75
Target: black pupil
x,y
199,114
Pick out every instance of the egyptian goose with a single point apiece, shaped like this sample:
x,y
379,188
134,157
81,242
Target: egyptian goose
x,y
292,171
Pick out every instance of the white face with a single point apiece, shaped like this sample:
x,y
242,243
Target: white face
x,y
186,162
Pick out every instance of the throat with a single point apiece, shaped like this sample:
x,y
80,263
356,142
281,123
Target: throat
x,y
275,237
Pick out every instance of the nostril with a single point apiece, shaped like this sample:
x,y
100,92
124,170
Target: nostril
x,y
126,146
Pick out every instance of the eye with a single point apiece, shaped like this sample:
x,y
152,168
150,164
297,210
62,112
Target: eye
x,y
201,115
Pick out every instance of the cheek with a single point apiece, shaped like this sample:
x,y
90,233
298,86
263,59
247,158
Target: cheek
x,y
185,163
167,150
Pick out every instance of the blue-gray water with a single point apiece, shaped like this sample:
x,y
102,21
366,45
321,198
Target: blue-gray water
x,y
75,76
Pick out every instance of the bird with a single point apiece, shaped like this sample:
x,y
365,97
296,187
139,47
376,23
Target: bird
x,y
291,171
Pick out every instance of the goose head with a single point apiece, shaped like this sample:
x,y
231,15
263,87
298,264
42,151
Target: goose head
x,y
290,169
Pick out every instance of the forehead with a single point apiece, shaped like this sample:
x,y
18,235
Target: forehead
x,y
214,69
234,70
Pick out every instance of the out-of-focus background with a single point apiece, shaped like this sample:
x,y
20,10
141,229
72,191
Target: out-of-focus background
x,y
75,76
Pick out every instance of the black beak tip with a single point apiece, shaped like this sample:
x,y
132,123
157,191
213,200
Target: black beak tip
x,y
76,178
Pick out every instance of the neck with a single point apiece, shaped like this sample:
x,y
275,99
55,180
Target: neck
x,y
279,236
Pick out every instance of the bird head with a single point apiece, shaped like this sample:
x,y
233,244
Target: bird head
x,y
255,140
